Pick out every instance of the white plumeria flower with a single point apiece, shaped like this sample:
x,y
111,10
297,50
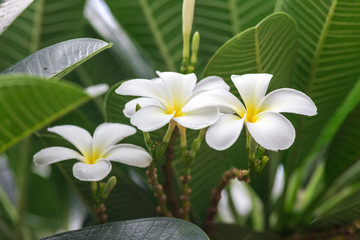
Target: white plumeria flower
x,y
95,152
261,115
164,99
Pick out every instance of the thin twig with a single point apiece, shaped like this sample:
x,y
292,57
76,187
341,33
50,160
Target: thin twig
x,y
169,175
241,175
158,188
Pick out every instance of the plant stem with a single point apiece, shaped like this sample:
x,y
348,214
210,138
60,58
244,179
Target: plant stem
x,y
158,188
188,158
241,175
169,174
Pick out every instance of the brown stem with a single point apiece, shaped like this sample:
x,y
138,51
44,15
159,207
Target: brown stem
x,y
100,211
241,175
351,231
169,174
158,188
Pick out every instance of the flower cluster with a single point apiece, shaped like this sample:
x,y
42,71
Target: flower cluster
x,y
175,97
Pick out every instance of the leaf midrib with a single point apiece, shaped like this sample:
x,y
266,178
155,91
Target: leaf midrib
x,y
164,51
319,46
233,17
36,29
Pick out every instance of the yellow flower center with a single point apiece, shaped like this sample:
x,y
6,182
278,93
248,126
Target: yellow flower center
x,y
177,108
92,159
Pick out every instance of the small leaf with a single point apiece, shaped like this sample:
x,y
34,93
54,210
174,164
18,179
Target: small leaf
x,y
147,228
28,104
9,10
56,61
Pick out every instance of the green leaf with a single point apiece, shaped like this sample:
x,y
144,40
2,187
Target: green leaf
x,y
344,150
28,104
124,47
326,70
147,228
269,47
157,25
219,20
42,24
339,218
58,60
9,10
327,66
326,177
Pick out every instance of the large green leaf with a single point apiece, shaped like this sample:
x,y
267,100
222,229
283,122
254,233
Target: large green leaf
x,y
56,61
28,104
147,228
156,25
327,62
268,47
124,47
219,20
9,10
326,70
42,24
344,151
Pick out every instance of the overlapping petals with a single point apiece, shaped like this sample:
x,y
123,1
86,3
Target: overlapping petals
x,y
95,152
261,115
169,98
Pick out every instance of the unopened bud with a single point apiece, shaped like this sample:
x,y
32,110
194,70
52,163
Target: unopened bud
x,y
109,186
187,16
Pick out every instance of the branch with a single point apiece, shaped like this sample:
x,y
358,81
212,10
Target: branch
x,y
241,175
169,174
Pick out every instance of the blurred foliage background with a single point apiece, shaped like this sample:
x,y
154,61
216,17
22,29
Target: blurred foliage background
x,y
312,46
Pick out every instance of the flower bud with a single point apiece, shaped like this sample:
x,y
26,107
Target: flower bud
x,y
110,184
187,16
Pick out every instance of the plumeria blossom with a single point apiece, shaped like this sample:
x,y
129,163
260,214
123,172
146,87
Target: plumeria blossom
x,y
164,99
95,153
261,113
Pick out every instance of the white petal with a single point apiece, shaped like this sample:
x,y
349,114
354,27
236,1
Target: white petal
x,y
154,89
252,87
97,90
55,154
215,98
211,82
150,118
92,172
78,136
179,85
224,133
288,100
199,118
272,131
108,134
130,107
129,154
